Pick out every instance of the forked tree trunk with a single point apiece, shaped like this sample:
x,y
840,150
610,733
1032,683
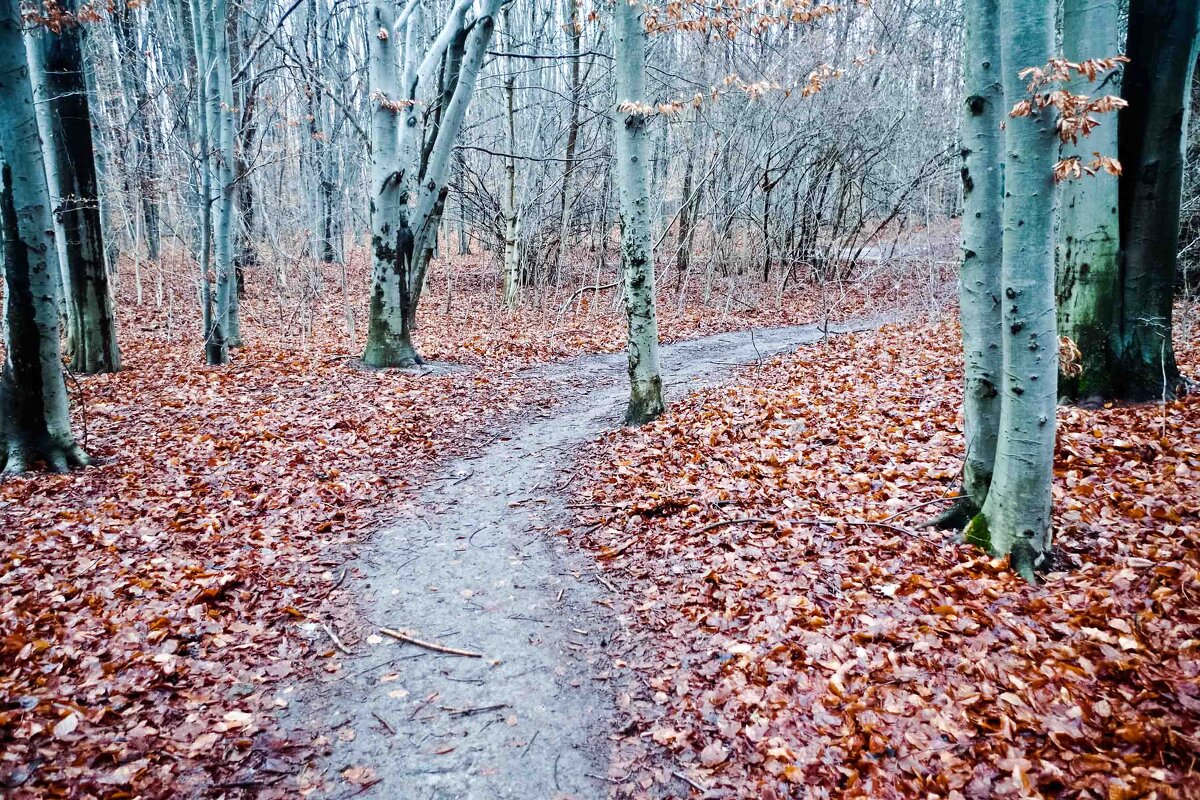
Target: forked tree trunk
x,y
34,422
982,249
1157,85
1015,518
389,339
1089,241
637,257
93,340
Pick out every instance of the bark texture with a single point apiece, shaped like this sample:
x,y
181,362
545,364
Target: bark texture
x,y
92,339
1015,518
1162,47
1089,229
980,292
633,178
34,422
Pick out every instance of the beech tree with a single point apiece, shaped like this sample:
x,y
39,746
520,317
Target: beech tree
x,y
402,238
982,249
1089,239
1015,517
633,185
1162,48
34,421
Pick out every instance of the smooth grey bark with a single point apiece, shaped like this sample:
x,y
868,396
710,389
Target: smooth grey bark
x,y
216,347
46,128
34,422
1162,47
389,338
1089,229
982,252
508,204
1015,518
222,125
633,178
431,194
92,343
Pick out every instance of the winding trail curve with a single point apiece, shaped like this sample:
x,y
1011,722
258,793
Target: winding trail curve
x,y
477,564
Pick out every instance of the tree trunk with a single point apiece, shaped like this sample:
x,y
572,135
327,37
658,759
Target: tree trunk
x,y
222,122
216,348
389,338
575,26
93,343
1088,295
637,257
35,425
508,206
1162,47
431,194
982,248
1015,519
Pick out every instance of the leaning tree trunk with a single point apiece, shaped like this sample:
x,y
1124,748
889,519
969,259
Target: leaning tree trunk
x,y
1157,84
1087,282
637,256
982,249
431,194
34,421
93,343
1015,518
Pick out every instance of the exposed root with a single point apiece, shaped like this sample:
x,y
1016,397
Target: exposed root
x,y
955,517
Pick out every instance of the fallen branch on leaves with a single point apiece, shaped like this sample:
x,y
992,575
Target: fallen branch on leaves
x,y
810,521
437,648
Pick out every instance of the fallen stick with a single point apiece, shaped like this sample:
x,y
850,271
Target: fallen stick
x,y
466,712
385,723
335,639
437,648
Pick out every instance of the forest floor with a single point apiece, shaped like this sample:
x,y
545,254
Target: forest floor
x,y
199,614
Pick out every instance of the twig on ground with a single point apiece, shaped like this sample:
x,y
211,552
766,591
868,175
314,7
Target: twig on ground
x,y
467,712
918,507
337,642
697,786
384,723
437,648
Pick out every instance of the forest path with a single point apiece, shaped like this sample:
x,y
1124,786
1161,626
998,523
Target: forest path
x,y
476,564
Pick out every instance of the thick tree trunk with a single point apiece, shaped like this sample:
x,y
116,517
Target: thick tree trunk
x,y
982,248
1087,282
34,422
389,338
637,257
93,343
1162,47
1015,518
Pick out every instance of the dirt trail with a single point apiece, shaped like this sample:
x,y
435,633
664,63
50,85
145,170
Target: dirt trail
x,y
477,565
